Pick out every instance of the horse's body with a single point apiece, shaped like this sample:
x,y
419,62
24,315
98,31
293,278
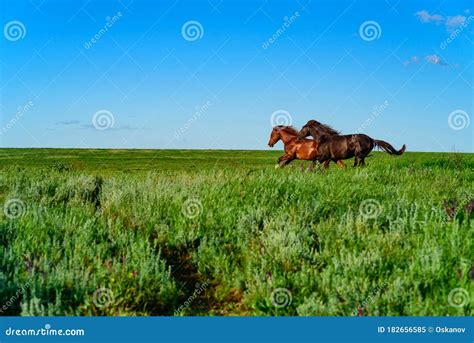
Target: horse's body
x,y
342,147
300,149
335,147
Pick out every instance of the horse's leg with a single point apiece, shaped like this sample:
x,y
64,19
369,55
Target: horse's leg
x,y
326,164
356,160
364,154
302,166
281,158
277,165
311,166
361,159
288,160
341,164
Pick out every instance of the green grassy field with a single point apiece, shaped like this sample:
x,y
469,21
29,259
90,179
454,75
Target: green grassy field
x,y
150,232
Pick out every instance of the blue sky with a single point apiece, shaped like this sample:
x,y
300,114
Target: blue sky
x,y
145,81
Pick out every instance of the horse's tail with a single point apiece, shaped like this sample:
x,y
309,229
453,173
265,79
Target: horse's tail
x,y
387,147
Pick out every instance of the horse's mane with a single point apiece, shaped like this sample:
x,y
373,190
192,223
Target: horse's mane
x,y
325,129
289,129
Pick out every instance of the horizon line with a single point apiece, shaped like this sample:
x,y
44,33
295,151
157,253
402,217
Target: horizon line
x,y
203,149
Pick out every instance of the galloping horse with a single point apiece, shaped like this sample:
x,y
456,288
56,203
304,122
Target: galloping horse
x,y
319,130
303,149
335,147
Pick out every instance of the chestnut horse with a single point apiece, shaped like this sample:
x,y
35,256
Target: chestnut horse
x,y
335,147
303,149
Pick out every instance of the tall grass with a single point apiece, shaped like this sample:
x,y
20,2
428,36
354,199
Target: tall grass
x,y
372,241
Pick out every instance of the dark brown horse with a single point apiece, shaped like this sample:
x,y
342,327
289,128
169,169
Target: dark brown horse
x,y
320,130
300,149
335,147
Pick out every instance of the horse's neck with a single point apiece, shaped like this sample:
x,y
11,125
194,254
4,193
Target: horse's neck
x,y
287,137
315,132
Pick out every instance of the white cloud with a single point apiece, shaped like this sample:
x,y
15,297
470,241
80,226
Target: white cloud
x,y
435,59
425,17
453,23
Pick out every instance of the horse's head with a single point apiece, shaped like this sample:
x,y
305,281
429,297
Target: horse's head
x,y
275,136
304,132
285,133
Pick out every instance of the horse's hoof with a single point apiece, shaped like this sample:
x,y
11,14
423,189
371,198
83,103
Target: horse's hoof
x,y
277,166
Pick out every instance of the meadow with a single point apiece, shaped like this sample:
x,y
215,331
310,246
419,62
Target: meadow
x,y
183,232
